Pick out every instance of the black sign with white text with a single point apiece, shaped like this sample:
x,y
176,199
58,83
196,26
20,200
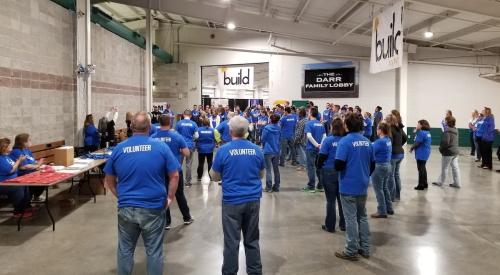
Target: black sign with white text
x,y
335,82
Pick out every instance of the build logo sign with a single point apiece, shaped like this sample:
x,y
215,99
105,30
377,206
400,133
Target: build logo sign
x,y
236,78
387,39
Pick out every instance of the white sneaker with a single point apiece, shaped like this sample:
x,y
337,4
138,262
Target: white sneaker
x,y
40,198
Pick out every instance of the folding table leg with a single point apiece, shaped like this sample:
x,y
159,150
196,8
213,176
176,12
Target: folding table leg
x,y
19,221
46,202
90,187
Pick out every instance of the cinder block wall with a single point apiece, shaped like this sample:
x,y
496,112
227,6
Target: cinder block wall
x,y
36,70
171,81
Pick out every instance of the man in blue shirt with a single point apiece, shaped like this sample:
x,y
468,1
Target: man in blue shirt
x,y
326,117
355,162
377,118
271,147
140,164
223,129
195,115
240,165
168,111
315,133
287,123
179,149
189,131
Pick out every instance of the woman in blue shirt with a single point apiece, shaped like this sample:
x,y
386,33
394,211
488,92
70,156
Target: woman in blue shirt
x,y
205,145
488,136
329,176
422,148
22,143
18,195
262,121
382,151
92,139
368,125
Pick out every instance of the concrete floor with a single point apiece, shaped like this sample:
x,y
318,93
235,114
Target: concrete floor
x,y
439,231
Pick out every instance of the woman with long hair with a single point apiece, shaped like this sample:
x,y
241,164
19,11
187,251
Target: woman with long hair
x,y
399,139
91,140
382,151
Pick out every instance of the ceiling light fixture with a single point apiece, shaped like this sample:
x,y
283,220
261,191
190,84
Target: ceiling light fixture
x,y
428,34
231,26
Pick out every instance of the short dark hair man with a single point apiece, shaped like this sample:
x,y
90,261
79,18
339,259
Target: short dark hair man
x,y
140,164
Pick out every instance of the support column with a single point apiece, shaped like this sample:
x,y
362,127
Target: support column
x,y
148,63
402,89
83,95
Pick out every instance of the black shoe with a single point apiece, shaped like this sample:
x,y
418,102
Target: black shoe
x,y
282,165
323,227
426,186
419,187
268,190
390,213
343,255
364,255
188,221
378,216
276,190
342,229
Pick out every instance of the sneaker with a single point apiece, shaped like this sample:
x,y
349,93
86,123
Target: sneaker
x,y
282,165
378,216
343,255
26,214
390,213
477,160
40,198
323,227
189,221
188,184
268,190
321,190
198,179
454,185
167,227
363,254
437,184
300,168
275,190
308,189
419,187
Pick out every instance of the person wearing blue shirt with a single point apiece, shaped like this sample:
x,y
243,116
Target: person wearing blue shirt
x,y
329,176
168,111
22,142
241,193
17,195
382,151
478,135
135,174
189,131
355,162
377,118
262,121
179,148
326,117
368,125
206,146
223,129
271,147
287,123
92,138
195,115
254,116
488,131
315,133
422,148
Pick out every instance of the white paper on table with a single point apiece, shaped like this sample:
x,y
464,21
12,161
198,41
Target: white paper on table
x,y
77,166
83,161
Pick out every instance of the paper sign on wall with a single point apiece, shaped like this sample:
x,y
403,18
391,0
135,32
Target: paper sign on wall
x,y
236,78
387,39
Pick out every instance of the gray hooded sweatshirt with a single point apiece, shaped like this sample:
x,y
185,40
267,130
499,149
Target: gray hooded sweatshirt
x,y
449,142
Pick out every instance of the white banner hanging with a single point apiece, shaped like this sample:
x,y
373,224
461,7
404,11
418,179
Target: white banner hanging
x,y
387,39
236,78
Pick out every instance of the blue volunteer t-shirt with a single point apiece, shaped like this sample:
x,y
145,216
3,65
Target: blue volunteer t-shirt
x,y
187,128
174,141
155,127
317,131
255,114
356,150
479,127
271,139
195,113
206,140
327,115
240,181
329,148
262,119
6,165
91,136
16,153
288,123
423,151
382,150
223,129
368,127
140,164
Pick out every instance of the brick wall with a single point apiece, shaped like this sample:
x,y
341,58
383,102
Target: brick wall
x,y
171,81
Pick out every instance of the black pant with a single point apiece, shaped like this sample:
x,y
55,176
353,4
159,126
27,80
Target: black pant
x,y
36,191
479,147
181,201
486,153
422,173
91,148
201,162
472,144
236,219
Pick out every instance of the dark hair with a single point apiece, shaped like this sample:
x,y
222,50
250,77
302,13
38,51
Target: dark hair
x,y
274,118
4,144
89,120
379,108
358,108
164,120
288,109
205,122
313,112
293,108
385,128
338,127
450,121
350,109
302,112
354,122
398,116
21,140
424,124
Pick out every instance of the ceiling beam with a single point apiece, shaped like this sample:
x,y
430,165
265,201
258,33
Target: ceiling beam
x,y
430,21
465,31
481,7
114,13
487,44
265,7
301,8
344,13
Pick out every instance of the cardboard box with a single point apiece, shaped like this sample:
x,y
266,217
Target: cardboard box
x,y
64,156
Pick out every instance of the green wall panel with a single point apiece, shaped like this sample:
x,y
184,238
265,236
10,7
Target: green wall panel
x,y
463,137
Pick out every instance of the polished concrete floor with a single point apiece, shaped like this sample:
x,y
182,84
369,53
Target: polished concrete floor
x,y
436,232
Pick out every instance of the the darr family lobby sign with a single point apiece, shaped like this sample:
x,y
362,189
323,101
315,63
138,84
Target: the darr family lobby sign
x,y
387,39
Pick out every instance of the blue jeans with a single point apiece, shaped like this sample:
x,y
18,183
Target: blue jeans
x,y
395,180
301,151
312,171
150,223
286,145
330,181
357,228
272,167
238,219
380,180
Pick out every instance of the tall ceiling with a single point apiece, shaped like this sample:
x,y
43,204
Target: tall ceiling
x,y
465,24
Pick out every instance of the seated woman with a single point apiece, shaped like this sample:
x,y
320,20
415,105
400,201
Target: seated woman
x,y
22,142
18,195
91,141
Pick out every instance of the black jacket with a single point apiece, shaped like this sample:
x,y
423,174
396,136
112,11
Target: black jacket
x,y
399,138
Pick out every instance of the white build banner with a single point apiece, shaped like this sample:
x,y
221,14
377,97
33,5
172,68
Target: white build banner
x,y
236,78
387,39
